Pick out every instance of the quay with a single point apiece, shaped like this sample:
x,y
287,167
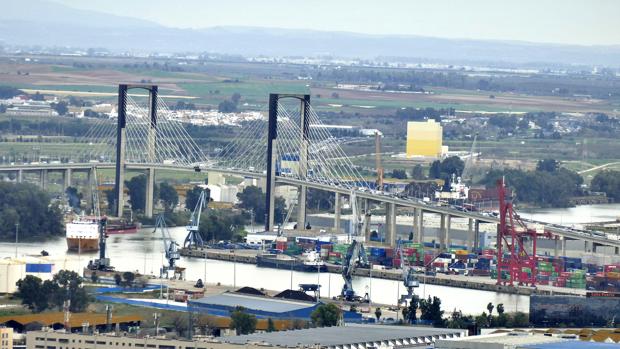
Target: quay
x,y
459,281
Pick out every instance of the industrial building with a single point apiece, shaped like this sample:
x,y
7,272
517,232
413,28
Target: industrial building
x,y
59,339
77,320
6,337
351,336
509,340
425,139
14,269
260,306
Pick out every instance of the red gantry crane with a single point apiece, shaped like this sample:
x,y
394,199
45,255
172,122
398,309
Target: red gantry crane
x,y
516,244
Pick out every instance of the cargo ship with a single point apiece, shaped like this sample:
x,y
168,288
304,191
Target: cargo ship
x,y
308,261
121,227
83,234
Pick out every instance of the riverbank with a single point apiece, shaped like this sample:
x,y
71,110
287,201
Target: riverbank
x,y
457,281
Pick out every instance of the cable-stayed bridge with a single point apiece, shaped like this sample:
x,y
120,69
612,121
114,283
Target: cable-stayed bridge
x,y
290,147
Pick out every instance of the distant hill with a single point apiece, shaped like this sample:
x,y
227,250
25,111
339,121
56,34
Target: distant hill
x,y
39,22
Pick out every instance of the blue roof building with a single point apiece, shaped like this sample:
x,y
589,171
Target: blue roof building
x,y
260,306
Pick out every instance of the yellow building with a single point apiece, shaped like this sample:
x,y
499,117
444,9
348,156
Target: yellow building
x,y
424,138
6,338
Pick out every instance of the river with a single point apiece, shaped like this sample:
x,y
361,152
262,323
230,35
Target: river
x,y
143,252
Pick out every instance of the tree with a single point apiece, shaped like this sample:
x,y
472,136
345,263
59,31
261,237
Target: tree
x,y
227,106
70,285
235,98
222,225
168,195
500,308
413,309
252,198
180,324
320,199
110,198
378,313
548,165
93,277
29,291
326,315
118,279
30,207
490,308
192,196
431,311
73,197
60,107
137,192
271,327
128,278
608,182
418,172
399,173
242,322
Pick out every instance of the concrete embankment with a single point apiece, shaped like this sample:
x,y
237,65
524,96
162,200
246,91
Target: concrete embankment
x,y
460,281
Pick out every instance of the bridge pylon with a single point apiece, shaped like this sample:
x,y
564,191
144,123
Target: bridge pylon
x,y
121,142
272,153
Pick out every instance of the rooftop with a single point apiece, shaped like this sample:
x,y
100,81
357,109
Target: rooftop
x,y
500,340
76,319
335,336
263,303
571,345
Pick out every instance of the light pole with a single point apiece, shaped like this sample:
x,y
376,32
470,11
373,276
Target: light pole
x,y
16,237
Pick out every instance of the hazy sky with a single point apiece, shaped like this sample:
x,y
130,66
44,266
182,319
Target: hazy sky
x,y
584,22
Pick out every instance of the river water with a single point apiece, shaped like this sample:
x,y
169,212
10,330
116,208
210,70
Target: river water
x,y
143,252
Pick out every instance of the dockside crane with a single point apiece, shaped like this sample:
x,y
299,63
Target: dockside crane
x,y
170,249
355,257
410,280
193,238
102,263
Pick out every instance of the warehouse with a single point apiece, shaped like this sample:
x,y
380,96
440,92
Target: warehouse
x,y
510,340
12,270
260,306
350,336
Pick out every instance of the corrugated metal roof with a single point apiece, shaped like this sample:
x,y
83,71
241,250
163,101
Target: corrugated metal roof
x,y
571,345
332,336
76,319
254,302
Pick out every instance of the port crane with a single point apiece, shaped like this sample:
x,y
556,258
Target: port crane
x,y
102,263
356,256
410,280
170,249
193,238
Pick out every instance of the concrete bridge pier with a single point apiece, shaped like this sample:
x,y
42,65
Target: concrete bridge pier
x,y
448,225
556,246
442,231
420,219
301,206
586,246
414,227
337,212
476,234
43,179
470,233
66,179
390,224
20,176
150,184
564,246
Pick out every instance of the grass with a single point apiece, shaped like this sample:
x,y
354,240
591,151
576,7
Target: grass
x,y
251,91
